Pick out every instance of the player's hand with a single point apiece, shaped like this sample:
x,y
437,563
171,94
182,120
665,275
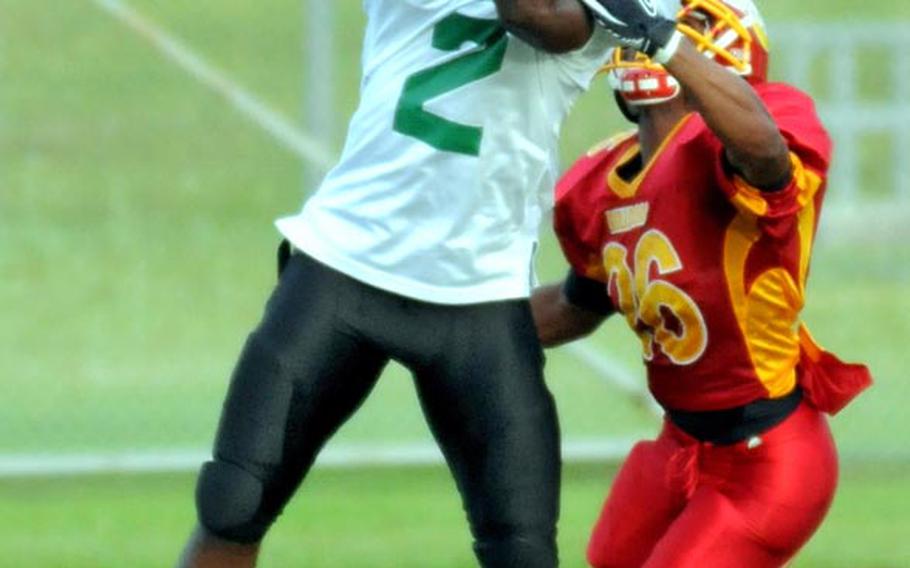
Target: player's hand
x,y
638,24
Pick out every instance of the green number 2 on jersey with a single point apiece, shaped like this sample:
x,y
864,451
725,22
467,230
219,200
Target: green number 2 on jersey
x,y
450,34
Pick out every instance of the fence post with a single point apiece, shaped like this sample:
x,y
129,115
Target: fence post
x,y
842,87
901,181
319,79
800,53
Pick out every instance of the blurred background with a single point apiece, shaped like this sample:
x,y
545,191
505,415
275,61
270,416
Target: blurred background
x,y
146,147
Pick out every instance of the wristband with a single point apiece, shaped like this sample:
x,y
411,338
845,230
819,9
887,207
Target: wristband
x,y
664,54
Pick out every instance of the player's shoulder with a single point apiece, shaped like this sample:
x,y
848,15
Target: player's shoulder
x,y
611,144
796,115
588,170
779,89
785,97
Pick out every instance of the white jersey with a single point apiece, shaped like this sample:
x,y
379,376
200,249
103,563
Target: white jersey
x,y
451,157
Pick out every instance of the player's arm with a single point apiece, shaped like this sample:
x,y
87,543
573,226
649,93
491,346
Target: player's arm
x,y
569,310
730,107
752,141
557,26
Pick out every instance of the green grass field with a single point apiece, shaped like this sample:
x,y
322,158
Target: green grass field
x,y
375,519
136,253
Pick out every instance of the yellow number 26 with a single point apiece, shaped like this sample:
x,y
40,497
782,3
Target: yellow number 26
x,y
656,310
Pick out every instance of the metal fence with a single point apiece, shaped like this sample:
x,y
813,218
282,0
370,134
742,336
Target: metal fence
x,y
860,76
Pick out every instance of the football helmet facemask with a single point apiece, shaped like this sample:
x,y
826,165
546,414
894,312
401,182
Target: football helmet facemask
x,y
732,32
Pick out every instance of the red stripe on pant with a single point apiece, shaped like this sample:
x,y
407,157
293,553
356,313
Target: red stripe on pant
x,y
680,503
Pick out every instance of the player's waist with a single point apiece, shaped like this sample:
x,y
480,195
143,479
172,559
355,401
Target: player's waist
x,y
732,425
432,279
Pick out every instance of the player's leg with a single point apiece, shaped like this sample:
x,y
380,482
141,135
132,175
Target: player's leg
x,y
757,507
205,550
646,496
490,410
302,372
712,532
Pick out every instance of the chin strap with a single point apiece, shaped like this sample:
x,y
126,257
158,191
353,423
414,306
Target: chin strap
x,y
628,111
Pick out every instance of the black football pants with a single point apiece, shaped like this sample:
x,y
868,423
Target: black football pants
x,y
319,350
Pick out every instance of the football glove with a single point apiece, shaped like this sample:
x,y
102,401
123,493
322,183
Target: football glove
x,y
638,24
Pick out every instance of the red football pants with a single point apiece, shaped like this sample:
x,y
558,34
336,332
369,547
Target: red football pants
x,y
680,503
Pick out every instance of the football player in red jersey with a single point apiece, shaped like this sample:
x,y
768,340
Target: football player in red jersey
x,y
698,229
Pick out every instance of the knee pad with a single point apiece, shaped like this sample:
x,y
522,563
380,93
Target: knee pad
x,y
229,503
525,549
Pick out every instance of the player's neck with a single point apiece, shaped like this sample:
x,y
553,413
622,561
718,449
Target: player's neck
x,y
655,124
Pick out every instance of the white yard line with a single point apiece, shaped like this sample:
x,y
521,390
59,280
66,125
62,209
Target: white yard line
x,y
340,457
615,374
248,104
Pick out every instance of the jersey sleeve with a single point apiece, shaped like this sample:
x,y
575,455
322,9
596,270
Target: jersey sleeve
x,y
810,154
578,68
588,294
576,221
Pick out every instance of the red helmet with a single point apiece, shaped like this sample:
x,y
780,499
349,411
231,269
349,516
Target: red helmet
x,y
640,81
733,34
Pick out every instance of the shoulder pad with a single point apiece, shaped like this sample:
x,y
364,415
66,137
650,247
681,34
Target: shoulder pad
x,y
611,142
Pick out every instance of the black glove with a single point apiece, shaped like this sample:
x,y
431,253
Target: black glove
x,y
637,24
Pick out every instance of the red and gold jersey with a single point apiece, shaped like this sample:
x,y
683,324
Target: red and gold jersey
x,y
709,271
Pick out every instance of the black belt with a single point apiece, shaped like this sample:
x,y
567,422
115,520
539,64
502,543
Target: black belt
x,y
733,425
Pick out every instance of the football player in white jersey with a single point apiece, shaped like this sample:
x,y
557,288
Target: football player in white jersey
x,y
418,248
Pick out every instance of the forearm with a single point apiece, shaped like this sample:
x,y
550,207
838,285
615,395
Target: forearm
x,y
557,320
556,26
733,111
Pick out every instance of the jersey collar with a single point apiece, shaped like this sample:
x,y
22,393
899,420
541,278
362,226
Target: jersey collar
x,y
627,189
